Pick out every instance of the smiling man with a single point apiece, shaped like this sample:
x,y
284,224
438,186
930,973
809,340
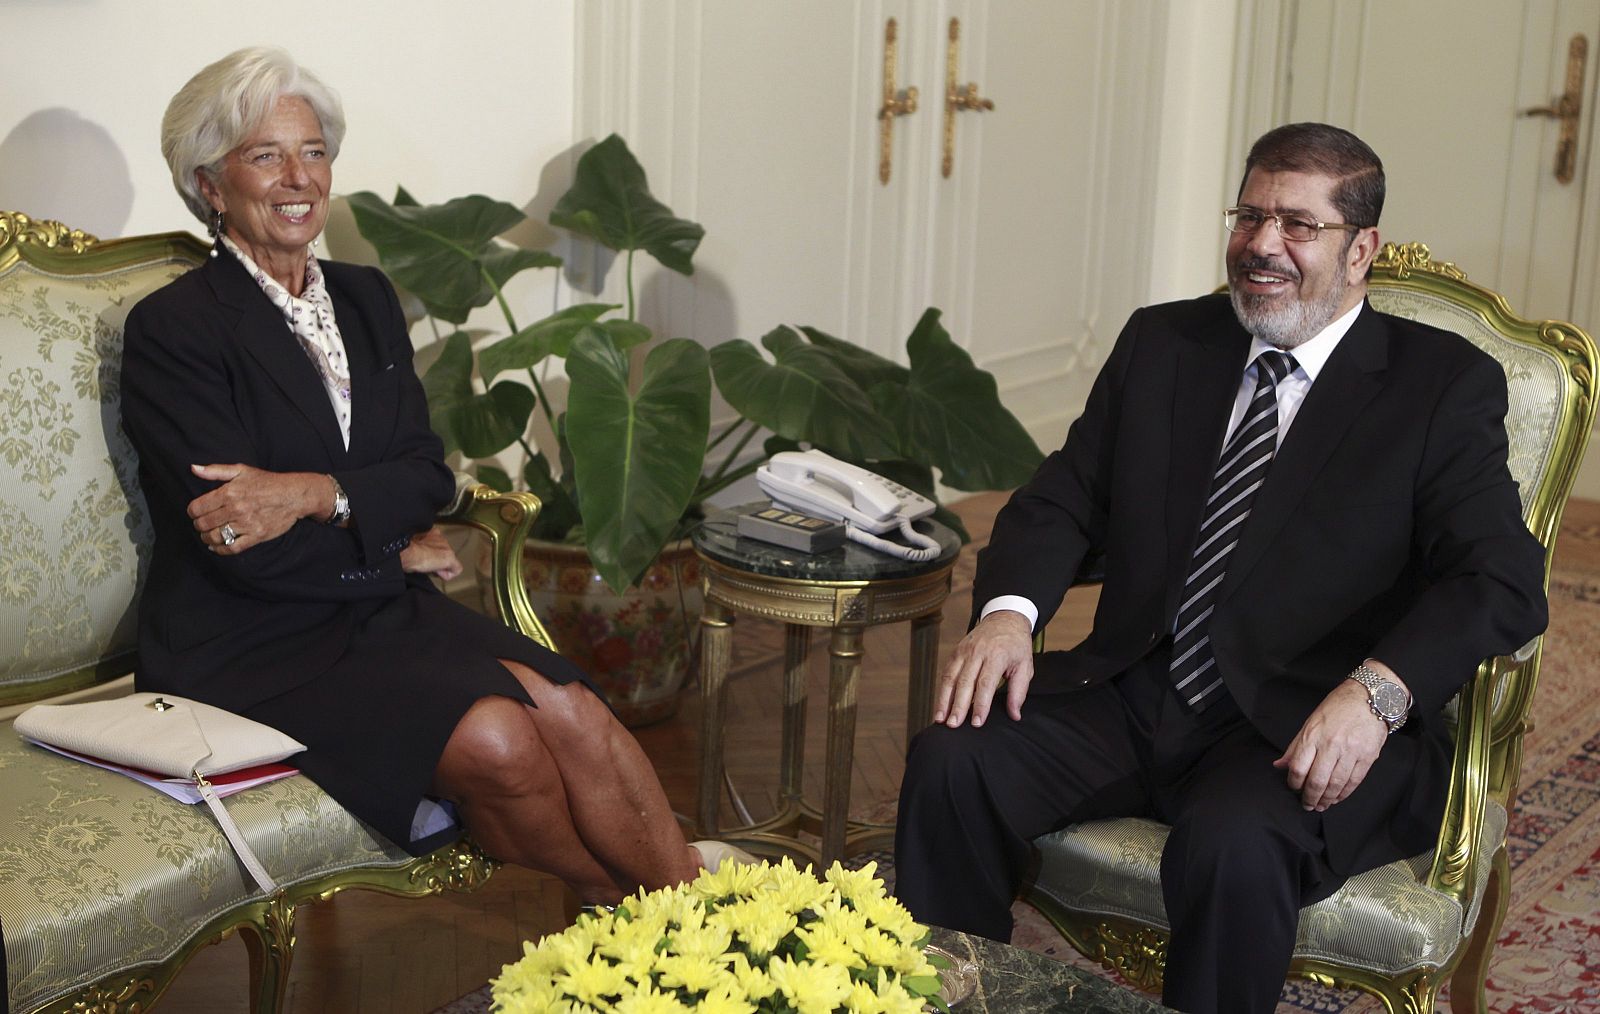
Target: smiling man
x,y
1310,540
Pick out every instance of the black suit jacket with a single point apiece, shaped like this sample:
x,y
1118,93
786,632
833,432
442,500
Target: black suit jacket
x,y
1388,527
211,374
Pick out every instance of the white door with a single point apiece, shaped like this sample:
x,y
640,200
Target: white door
x,y
1442,92
761,122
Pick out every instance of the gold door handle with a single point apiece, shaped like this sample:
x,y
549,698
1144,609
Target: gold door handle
x,y
895,103
957,97
1568,108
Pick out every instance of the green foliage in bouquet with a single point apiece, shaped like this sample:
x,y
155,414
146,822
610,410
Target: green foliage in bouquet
x,y
633,456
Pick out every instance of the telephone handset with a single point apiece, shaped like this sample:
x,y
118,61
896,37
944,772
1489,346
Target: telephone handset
x,y
811,482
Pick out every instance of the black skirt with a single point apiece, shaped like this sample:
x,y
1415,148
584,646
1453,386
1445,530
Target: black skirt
x,y
376,722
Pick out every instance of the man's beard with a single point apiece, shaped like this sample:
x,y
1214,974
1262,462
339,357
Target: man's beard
x,y
1284,325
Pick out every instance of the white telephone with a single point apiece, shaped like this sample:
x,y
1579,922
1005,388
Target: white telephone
x,y
811,482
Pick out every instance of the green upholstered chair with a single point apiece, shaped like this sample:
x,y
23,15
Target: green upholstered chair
x,y
107,887
1401,931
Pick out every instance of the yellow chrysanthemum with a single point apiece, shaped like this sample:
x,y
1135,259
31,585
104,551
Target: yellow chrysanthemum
x,y
824,943
856,885
810,988
758,922
732,880
755,982
844,920
594,982
633,944
796,889
879,948
696,974
520,988
863,999
646,999
703,942
894,998
673,906
913,961
890,916
555,952
725,999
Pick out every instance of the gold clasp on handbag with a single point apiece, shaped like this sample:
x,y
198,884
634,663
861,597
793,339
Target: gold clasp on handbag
x,y
160,704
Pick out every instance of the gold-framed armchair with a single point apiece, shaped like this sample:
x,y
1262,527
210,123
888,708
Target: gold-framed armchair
x,y
108,888
1398,932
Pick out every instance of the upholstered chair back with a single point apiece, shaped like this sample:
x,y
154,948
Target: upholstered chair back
x,y
1536,356
73,530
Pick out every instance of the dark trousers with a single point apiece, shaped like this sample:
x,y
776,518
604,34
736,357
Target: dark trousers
x,y
1242,858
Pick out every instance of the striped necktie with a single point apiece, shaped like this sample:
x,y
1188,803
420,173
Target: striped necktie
x,y
1241,471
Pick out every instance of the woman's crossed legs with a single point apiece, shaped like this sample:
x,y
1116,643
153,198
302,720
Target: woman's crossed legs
x,y
562,787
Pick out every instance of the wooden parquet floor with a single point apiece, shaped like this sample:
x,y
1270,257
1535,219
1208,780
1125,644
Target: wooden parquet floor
x,y
368,953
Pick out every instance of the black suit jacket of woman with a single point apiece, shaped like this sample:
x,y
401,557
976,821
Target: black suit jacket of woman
x,y
1389,527
211,374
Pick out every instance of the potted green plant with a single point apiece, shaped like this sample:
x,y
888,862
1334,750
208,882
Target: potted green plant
x,y
633,458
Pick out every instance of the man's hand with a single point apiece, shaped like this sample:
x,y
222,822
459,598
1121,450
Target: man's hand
x,y
1337,745
430,553
256,505
999,648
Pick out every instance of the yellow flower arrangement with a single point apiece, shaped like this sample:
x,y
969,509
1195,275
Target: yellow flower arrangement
x,y
748,939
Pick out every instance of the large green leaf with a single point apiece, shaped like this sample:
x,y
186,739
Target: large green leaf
x,y
559,512
550,336
448,383
626,333
636,456
949,415
610,202
441,252
803,395
477,425
867,368
489,423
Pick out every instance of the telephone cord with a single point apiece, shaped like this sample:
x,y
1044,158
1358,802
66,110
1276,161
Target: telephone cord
x,y
929,546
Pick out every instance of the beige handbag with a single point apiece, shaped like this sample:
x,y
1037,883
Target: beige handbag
x,y
170,736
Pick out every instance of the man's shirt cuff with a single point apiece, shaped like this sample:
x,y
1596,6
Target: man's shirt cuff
x,y
1015,603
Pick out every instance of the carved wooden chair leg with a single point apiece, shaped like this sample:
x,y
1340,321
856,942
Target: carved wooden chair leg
x,y
1466,985
270,945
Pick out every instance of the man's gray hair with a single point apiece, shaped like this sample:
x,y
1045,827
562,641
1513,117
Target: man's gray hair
x,y
219,107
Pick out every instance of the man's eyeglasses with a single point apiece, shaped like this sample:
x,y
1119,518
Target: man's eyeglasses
x,y
1295,228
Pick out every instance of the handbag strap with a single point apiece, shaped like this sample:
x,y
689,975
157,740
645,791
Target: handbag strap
x,y
235,837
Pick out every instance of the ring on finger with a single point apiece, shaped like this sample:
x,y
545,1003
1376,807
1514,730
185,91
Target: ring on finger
x,y
229,536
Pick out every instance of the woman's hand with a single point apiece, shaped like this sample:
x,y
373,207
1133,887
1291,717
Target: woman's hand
x,y
430,553
254,505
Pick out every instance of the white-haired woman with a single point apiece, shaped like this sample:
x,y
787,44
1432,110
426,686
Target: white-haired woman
x,y
291,475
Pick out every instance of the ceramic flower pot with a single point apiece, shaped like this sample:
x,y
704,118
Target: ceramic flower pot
x,y
637,646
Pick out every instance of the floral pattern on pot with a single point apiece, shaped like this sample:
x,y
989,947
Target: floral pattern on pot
x,y
637,646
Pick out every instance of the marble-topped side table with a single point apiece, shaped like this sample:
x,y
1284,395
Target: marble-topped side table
x,y
1011,980
845,590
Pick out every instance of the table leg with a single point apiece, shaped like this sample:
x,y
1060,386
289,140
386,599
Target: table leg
x,y
844,676
716,642
924,666
796,649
